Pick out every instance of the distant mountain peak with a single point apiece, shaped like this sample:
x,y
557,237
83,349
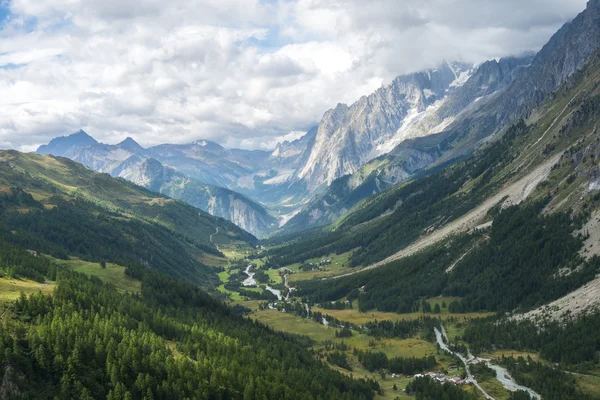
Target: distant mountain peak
x,y
81,133
131,145
207,145
79,136
60,145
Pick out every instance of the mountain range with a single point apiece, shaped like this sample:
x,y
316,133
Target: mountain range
x,y
184,177
418,122
481,225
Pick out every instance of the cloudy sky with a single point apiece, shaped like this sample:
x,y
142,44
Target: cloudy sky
x,y
245,73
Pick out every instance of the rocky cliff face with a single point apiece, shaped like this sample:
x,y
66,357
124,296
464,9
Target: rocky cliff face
x,y
564,54
402,162
350,136
344,193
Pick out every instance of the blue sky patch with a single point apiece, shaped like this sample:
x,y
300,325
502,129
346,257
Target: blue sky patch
x,y
12,66
4,11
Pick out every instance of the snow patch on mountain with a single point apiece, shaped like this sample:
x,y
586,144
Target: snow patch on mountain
x,y
350,136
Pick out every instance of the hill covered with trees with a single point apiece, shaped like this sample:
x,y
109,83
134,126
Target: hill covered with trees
x,y
58,207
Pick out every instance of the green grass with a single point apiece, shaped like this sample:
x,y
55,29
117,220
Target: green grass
x,y
412,347
113,274
11,288
49,177
223,276
495,389
454,331
386,384
235,252
293,324
274,276
589,384
211,260
510,353
235,296
338,266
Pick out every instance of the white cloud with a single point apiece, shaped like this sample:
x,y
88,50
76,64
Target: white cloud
x,y
241,72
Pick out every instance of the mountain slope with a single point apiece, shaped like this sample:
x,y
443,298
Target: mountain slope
x,y
507,229
215,200
50,201
201,159
384,224
401,163
507,90
564,54
80,338
349,136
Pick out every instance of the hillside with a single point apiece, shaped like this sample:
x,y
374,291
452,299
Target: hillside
x,y
496,254
215,200
59,207
109,305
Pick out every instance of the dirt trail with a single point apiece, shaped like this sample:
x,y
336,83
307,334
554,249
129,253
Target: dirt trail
x,y
514,193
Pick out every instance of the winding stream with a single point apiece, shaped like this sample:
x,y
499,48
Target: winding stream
x,y
440,340
502,375
249,281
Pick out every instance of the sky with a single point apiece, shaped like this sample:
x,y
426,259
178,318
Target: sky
x,y
244,73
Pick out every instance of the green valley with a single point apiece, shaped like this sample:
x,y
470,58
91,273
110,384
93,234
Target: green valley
x,y
436,239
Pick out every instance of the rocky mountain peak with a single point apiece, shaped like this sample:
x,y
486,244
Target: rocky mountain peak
x,y
61,145
349,136
131,145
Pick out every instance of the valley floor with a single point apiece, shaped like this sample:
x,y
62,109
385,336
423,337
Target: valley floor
x,y
280,315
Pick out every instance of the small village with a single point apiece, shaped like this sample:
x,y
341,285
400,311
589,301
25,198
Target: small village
x,y
441,377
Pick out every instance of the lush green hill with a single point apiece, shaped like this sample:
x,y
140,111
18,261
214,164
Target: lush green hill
x,y
56,206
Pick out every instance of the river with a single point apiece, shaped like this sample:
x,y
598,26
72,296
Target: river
x,y
440,340
502,374
275,292
249,281
509,383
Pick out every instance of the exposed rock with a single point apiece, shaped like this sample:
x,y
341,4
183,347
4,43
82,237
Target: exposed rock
x,y
350,136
